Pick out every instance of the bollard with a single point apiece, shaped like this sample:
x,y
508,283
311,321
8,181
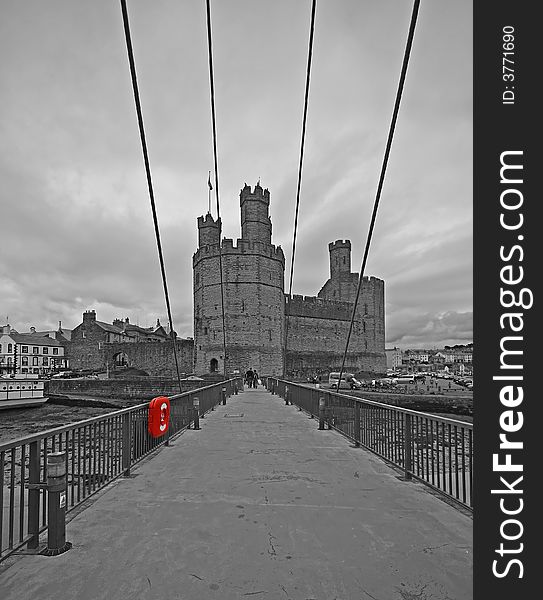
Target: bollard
x,y
321,412
286,395
56,505
236,388
224,395
196,405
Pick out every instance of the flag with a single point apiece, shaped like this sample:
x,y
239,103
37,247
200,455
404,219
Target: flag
x,y
209,181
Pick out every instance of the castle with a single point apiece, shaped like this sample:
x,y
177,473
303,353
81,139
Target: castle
x,y
256,307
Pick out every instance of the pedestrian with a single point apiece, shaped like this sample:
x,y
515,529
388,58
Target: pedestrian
x,y
255,379
249,376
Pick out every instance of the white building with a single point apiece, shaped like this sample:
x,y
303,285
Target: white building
x,y
394,358
30,353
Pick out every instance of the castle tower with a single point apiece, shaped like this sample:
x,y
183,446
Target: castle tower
x,y
340,258
255,222
209,231
253,285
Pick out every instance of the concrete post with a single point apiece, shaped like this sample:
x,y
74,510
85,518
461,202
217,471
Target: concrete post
x,y
224,395
286,395
34,496
196,406
321,412
56,504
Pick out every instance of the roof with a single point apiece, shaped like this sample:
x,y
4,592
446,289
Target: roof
x,y
33,339
108,327
147,330
65,333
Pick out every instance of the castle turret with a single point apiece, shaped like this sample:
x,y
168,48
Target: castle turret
x,y
253,293
255,221
209,231
340,257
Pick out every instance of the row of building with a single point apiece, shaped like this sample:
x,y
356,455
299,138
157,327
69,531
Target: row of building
x,y
454,359
88,347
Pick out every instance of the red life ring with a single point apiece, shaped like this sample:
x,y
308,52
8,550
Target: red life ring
x,y
159,416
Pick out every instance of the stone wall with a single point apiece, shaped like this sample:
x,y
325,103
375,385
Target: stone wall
x,y
144,388
155,358
318,328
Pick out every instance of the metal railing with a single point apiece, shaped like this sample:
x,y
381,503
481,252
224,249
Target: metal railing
x,y
435,450
98,450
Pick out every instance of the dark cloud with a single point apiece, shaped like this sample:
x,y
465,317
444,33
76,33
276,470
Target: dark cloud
x,y
76,223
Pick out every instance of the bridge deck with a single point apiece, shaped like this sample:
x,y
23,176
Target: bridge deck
x,y
258,503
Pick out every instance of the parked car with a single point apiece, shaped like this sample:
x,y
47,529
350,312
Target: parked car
x,y
348,381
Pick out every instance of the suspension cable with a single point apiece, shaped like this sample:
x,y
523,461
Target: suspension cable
x,y
149,180
302,144
212,90
382,175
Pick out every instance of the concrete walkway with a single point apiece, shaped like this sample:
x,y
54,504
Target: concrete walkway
x,y
258,503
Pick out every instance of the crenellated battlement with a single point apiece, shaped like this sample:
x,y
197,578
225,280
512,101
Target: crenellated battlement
x,y
257,194
208,221
242,247
339,244
315,307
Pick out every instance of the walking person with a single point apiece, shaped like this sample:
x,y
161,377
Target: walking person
x,y
255,379
249,376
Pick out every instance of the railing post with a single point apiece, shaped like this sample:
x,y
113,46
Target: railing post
x,y
196,405
321,412
408,438
33,496
56,504
357,423
127,443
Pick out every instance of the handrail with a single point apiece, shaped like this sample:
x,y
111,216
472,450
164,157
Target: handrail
x,y
62,428
437,451
375,403
98,450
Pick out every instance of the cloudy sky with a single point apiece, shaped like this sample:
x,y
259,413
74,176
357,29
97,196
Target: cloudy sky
x,y
76,224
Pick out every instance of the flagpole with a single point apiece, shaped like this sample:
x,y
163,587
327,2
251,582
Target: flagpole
x,y
209,192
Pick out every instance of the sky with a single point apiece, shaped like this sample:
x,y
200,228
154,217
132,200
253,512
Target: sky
x,y
77,229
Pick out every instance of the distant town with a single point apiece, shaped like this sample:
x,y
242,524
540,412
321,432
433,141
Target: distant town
x,y
456,360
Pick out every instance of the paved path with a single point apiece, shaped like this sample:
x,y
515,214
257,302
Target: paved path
x,y
257,504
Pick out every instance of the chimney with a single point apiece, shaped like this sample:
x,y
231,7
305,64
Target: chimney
x,y
32,330
89,316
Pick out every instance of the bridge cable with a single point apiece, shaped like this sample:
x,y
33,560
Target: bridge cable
x,y
212,92
149,180
302,144
382,175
